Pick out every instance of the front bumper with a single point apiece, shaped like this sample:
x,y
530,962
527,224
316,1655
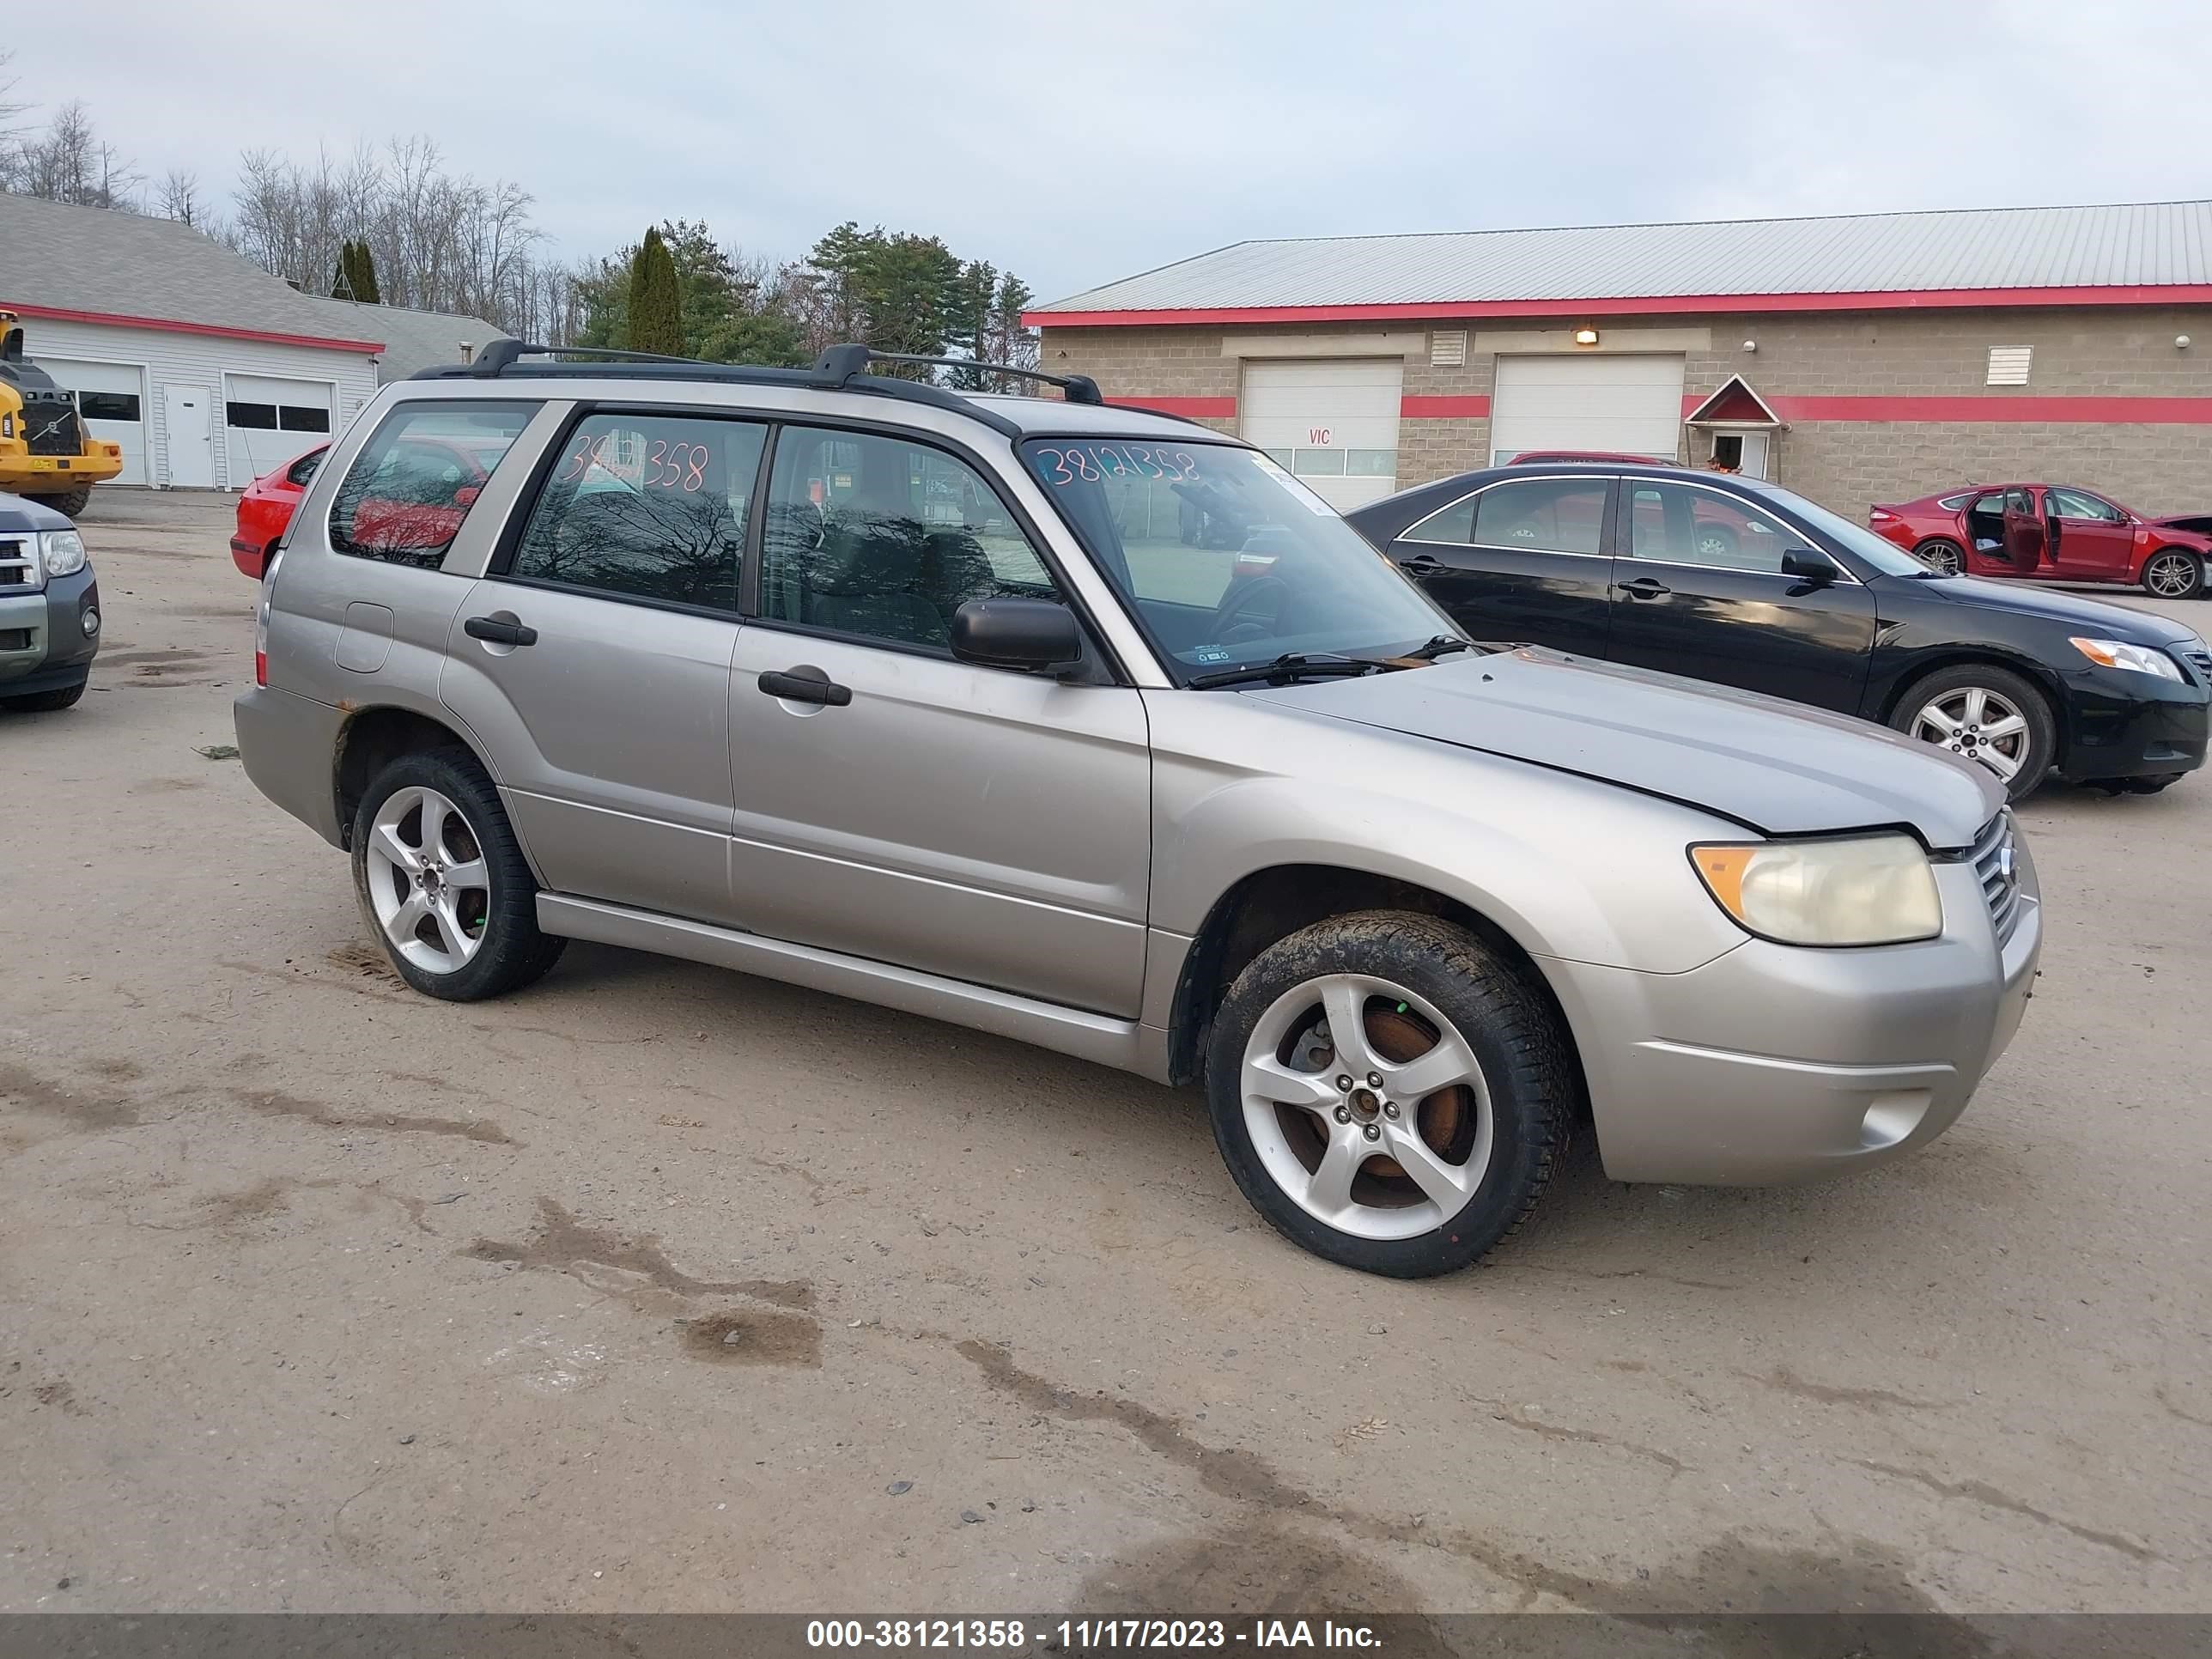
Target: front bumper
x,y
44,643
1775,1064
2122,724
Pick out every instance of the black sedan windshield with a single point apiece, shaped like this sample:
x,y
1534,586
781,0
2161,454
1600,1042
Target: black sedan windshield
x,y
1224,558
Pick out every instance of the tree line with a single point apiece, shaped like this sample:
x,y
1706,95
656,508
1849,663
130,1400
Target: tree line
x,y
397,226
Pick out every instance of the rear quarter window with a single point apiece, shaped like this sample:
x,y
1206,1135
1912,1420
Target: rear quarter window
x,y
412,486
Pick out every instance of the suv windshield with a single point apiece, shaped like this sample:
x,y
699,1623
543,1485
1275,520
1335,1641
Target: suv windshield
x,y
1226,560
1885,557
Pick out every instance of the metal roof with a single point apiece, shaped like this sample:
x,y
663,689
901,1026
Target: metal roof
x,y
412,339
98,265
2131,246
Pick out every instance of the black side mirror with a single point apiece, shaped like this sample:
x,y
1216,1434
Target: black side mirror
x,y
1802,564
1032,636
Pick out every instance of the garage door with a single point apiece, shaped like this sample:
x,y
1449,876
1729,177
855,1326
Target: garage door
x,y
266,422
112,398
1333,422
1628,406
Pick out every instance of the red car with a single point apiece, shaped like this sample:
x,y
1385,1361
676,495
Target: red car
x,y
417,494
2057,532
267,506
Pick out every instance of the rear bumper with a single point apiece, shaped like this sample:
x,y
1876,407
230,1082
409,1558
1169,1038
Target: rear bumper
x,y
248,555
288,745
1775,1064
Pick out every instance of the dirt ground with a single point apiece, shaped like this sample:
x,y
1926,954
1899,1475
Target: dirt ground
x,y
657,1288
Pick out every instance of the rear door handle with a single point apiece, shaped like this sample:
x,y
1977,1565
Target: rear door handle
x,y
1421,564
806,685
1643,588
492,631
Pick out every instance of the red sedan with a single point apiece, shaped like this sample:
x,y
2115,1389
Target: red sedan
x,y
2054,532
267,506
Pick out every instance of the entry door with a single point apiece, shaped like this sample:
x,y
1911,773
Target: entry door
x,y
1521,561
1699,589
986,825
2093,537
2024,543
188,418
595,666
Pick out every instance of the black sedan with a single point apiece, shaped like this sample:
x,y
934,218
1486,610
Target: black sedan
x,y
1733,579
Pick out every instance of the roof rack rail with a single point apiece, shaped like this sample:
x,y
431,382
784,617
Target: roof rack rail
x,y
855,359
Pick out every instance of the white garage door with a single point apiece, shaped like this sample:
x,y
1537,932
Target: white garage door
x,y
1333,421
1627,406
112,398
266,422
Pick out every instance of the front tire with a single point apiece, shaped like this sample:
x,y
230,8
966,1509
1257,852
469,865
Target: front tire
x,y
442,881
1944,558
70,503
2173,573
1388,1093
1988,714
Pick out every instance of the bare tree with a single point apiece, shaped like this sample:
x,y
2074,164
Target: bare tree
x,y
179,197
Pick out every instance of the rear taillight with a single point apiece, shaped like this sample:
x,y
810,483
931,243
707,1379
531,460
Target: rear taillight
x,y
1881,515
261,617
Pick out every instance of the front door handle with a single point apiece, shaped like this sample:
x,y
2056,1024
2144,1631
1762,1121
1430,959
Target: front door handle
x,y
805,684
1643,588
494,631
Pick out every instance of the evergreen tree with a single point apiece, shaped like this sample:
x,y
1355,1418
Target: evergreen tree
x,y
364,277
656,304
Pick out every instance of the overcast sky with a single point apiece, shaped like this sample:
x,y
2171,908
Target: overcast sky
x,y
1077,143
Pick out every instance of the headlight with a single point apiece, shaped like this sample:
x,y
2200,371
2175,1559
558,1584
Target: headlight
x,y
1866,890
62,552
2117,654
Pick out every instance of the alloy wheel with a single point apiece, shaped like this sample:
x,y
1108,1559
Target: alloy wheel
x,y
1366,1107
1978,723
427,880
1943,559
2171,575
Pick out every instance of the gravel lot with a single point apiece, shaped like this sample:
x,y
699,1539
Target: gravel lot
x,y
657,1288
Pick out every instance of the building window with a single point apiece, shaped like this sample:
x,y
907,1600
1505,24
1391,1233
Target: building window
x,y
108,405
294,419
2008,365
255,417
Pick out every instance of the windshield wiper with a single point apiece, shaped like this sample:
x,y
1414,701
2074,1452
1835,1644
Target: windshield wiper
x,y
1288,666
1441,645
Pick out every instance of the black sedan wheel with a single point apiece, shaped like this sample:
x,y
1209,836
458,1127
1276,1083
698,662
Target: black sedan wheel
x,y
1987,715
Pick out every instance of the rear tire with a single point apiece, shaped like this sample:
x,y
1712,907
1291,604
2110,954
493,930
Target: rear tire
x,y
1943,557
1988,714
1349,1147
45,702
71,503
442,881
2173,573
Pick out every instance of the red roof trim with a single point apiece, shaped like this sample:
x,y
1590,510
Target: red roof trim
x,y
1196,409
2092,411
1473,408
373,348
1648,305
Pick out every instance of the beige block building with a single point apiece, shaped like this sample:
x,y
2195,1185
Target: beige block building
x,y
1855,359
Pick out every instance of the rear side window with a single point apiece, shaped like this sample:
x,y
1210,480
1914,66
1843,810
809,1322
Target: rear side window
x,y
1544,515
409,490
647,506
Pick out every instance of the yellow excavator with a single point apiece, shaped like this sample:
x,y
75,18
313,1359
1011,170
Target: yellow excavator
x,y
45,451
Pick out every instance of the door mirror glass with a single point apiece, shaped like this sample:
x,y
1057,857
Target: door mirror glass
x,y
1032,636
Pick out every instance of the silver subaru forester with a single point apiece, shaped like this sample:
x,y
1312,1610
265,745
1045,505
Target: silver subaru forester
x,y
1094,728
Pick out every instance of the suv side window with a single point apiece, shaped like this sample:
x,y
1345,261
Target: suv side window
x,y
411,488
885,537
1679,525
1542,515
649,506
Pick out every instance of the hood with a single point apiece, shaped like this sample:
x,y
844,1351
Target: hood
x,y
2080,616
19,517
1778,768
